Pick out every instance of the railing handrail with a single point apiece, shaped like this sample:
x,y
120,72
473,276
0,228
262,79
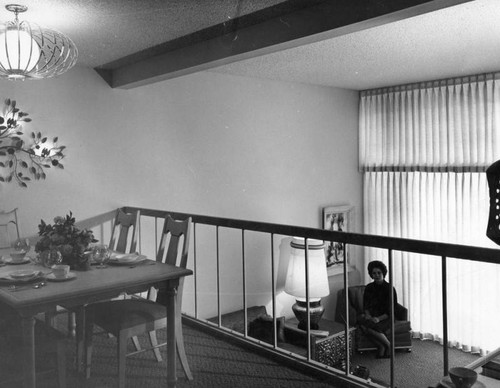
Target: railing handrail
x,y
466,252
485,359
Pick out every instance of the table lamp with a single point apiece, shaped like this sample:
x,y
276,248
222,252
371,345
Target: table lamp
x,y
295,283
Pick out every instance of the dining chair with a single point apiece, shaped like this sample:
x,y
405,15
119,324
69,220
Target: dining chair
x,y
9,228
127,318
125,225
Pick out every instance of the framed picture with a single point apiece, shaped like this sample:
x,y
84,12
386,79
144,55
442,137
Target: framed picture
x,y
337,218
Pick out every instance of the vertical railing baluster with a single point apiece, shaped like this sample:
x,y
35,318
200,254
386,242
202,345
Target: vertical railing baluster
x,y
306,258
347,324
139,237
218,273
195,274
391,340
156,236
444,296
273,286
244,282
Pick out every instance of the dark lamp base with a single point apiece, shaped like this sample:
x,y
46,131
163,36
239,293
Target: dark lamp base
x,y
316,311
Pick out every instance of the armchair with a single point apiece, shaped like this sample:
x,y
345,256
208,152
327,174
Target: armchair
x,y
402,327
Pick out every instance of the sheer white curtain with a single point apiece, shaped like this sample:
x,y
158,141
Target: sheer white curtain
x,y
424,149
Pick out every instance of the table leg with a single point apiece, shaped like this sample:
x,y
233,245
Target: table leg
x,y
28,351
171,347
80,337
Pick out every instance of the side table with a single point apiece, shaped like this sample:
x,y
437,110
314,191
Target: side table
x,y
329,349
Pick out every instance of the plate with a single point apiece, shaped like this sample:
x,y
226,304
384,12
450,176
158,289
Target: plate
x,y
23,274
8,260
123,257
69,276
127,259
446,382
8,279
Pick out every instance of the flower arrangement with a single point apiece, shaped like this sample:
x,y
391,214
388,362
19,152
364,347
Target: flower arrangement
x,y
66,238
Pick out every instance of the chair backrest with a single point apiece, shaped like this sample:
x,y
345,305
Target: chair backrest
x,y
9,228
121,230
173,232
355,294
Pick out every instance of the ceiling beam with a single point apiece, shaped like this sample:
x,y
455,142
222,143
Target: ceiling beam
x,y
322,21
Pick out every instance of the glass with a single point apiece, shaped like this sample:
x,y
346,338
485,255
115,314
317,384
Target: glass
x,y
101,255
22,244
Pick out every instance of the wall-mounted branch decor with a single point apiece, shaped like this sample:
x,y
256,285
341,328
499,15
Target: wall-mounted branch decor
x,y
24,157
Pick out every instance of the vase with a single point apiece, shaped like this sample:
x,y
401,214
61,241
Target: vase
x,y
78,262
50,257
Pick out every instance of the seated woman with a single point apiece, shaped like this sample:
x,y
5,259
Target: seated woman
x,y
375,321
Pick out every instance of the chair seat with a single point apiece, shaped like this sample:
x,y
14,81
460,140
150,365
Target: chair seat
x,y
117,315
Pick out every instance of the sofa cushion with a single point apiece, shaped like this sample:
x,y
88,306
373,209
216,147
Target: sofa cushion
x,y
402,327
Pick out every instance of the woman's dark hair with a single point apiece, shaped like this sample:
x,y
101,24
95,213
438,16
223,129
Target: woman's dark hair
x,y
376,264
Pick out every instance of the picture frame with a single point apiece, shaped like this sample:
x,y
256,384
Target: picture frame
x,y
337,218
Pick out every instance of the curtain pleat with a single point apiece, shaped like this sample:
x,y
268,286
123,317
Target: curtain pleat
x,y
423,150
441,126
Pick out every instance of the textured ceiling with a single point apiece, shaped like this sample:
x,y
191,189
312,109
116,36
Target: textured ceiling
x,y
459,40
456,41
107,30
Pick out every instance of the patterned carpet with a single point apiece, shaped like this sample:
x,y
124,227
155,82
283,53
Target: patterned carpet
x,y
219,364
214,363
421,368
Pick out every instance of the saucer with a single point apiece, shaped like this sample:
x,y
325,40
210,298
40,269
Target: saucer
x,y
446,382
69,276
8,260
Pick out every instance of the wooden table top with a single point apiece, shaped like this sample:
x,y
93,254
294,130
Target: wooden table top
x,y
87,286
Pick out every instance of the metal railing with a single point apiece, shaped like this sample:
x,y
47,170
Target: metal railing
x,y
441,251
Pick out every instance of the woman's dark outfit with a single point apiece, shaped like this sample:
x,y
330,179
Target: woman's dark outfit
x,y
377,300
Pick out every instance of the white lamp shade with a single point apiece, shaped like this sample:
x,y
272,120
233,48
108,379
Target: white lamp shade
x,y
18,51
295,283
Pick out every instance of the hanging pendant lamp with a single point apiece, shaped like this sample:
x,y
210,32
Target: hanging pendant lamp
x,y
28,51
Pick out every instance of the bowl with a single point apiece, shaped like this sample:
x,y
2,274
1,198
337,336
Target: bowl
x,y
18,256
462,377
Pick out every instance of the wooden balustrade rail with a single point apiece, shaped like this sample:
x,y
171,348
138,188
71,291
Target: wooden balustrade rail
x,y
441,251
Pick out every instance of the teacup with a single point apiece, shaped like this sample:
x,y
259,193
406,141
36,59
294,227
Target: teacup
x,y
463,377
17,256
60,271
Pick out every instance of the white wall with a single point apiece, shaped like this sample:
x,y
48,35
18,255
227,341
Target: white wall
x,y
206,143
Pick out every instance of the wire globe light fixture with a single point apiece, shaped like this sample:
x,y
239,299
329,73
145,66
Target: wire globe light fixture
x,y
28,51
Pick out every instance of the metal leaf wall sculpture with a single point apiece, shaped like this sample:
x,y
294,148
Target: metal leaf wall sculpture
x,y
24,157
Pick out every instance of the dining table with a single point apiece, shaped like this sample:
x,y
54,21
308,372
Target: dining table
x,y
85,287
